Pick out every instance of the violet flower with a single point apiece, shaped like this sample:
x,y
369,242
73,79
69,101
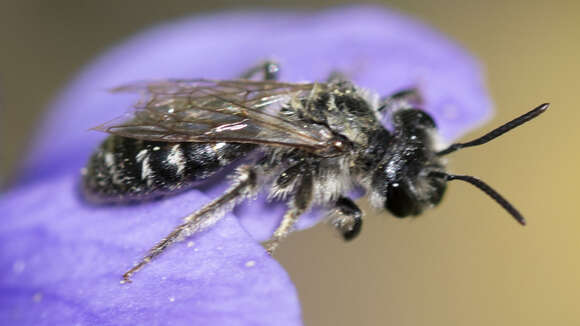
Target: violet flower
x,y
61,259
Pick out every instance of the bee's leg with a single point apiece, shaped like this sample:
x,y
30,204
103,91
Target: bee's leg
x,y
346,217
298,204
405,99
269,70
337,76
245,185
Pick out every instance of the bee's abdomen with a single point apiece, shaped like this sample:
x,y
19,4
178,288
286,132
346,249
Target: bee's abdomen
x,y
125,169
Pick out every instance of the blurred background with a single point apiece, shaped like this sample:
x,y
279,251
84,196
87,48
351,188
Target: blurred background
x,y
464,263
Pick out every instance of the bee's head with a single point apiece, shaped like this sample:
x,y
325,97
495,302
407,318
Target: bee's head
x,y
411,177
409,196
401,182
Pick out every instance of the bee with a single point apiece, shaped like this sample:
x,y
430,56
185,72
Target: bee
x,y
304,143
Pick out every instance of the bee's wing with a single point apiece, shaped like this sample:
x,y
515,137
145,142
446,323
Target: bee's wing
x,y
240,111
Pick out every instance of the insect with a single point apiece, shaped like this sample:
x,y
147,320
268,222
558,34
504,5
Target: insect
x,y
304,143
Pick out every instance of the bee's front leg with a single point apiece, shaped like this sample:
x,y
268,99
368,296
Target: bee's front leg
x,y
346,217
404,99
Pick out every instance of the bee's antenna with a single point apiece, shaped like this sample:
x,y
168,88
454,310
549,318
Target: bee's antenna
x,y
498,131
485,188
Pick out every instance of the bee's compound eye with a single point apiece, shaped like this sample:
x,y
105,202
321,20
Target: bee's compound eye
x,y
438,187
400,202
415,117
426,120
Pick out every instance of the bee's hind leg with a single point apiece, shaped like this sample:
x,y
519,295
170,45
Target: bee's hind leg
x,y
298,204
245,184
269,70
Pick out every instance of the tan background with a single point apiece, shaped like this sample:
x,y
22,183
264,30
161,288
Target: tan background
x,y
465,263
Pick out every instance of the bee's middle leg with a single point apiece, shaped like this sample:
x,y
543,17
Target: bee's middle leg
x,y
337,76
269,70
298,204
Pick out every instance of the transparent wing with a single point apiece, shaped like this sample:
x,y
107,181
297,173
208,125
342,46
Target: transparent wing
x,y
241,111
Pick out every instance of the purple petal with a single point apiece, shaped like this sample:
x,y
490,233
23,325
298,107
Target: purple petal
x,y
60,260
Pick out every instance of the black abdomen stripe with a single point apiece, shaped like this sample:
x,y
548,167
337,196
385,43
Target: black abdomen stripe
x,y
125,169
